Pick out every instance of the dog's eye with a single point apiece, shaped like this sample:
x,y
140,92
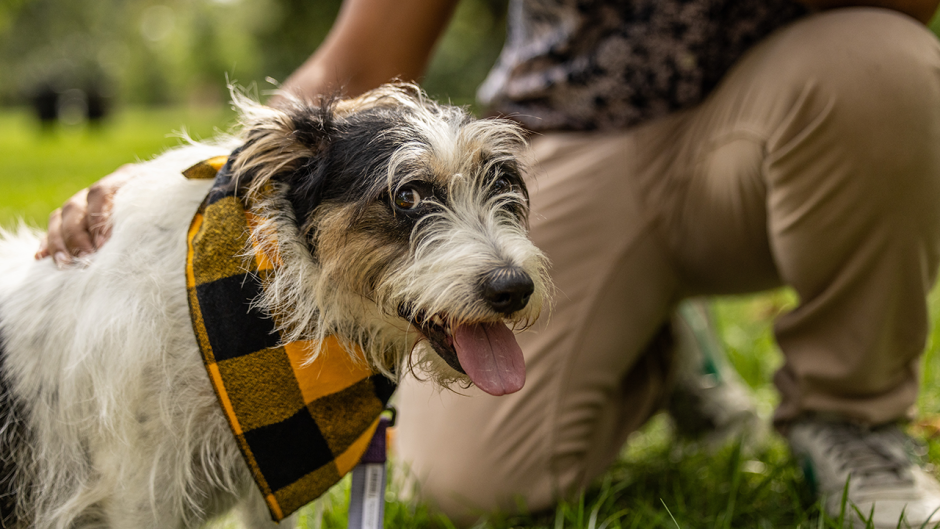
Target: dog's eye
x,y
407,198
502,185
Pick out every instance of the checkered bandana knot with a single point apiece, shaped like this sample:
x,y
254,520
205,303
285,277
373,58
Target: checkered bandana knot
x,y
300,425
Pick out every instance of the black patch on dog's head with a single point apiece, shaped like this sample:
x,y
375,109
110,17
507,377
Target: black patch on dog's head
x,y
345,167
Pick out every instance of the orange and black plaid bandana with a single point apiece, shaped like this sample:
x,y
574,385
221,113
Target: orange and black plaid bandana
x,y
301,426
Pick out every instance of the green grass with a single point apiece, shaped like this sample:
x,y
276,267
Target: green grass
x,y
39,170
658,482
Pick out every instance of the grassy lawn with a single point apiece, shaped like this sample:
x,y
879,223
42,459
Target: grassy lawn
x,y
658,482
39,169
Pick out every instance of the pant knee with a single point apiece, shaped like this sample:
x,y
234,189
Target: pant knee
x,y
467,490
851,133
469,455
877,65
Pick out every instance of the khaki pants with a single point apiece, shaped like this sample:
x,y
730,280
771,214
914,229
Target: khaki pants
x,y
815,164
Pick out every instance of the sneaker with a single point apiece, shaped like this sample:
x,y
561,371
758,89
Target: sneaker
x,y
709,402
884,482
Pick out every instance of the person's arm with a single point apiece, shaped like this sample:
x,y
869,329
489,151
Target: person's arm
x,y
372,42
922,10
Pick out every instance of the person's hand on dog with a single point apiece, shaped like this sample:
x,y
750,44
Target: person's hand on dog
x,y
83,223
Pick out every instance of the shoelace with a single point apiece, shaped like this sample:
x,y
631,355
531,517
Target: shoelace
x,y
872,457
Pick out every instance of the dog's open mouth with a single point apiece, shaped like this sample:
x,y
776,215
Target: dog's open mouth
x,y
487,352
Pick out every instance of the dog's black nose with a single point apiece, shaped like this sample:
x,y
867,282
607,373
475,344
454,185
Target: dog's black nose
x,y
507,289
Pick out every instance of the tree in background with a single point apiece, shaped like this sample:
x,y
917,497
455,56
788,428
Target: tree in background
x,y
180,51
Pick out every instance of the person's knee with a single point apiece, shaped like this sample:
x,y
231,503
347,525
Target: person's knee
x,y
469,455
878,66
857,116
466,490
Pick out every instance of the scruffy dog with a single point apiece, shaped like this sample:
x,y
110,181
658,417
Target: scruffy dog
x,y
396,221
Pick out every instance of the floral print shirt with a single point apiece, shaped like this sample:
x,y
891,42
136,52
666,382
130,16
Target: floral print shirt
x,y
595,64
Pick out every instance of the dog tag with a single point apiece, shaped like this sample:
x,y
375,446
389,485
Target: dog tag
x,y
367,494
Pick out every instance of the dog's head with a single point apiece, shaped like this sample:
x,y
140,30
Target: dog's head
x,y
397,219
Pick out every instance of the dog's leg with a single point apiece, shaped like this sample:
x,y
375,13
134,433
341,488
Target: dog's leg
x,y
150,483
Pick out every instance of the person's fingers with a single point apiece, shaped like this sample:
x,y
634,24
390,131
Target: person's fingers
x,y
74,228
45,243
100,198
43,250
98,214
54,243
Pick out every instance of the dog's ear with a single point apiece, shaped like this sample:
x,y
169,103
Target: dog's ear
x,y
279,143
292,144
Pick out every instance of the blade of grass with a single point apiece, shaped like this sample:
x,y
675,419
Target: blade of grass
x,y
845,499
735,474
927,521
670,514
599,502
610,519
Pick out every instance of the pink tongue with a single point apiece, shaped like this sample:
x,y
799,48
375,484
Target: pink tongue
x,y
490,355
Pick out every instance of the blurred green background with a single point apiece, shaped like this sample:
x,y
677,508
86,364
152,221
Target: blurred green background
x,y
120,76
116,78
180,51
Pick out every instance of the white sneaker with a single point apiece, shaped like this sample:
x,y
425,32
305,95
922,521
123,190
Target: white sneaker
x,y
884,482
709,401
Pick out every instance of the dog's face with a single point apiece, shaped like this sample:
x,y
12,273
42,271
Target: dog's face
x,y
414,216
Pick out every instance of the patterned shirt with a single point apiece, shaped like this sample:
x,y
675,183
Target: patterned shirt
x,y
595,64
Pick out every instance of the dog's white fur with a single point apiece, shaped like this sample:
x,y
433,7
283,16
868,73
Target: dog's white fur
x,y
125,430
107,359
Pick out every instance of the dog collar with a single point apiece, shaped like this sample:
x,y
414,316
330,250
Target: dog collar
x,y
301,426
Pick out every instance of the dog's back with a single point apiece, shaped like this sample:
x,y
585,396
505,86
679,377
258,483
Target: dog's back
x,y
97,361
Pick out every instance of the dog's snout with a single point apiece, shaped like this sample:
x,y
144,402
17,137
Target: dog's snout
x,y
507,289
